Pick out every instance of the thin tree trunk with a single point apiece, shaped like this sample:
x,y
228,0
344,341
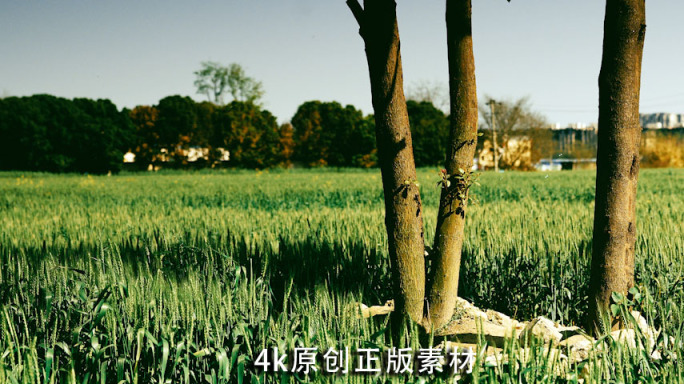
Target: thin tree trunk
x,y
403,218
462,139
612,266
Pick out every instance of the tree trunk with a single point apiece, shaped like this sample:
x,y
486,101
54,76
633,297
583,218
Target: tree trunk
x,y
403,218
612,266
462,140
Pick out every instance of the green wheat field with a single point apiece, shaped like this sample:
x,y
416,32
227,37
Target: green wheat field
x,y
185,277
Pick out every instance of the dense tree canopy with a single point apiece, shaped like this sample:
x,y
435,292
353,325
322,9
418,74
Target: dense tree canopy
x,y
177,126
144,118
429,131
328,134
48,133
167,132
102,136
251,134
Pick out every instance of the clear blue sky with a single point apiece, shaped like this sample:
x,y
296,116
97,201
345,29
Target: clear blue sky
x,y
136,52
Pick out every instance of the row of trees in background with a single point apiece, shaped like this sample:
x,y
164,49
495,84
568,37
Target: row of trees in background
x,y
48,133
319,134
168,131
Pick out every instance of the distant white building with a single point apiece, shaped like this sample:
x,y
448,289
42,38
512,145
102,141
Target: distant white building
x,y
565,164
192,154
574,126
129,157
225,154
546,165
196,153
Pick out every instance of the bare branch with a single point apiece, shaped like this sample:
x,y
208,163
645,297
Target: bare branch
x,y
357,11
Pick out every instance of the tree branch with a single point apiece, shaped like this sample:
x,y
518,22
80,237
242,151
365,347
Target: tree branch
x,y
357,11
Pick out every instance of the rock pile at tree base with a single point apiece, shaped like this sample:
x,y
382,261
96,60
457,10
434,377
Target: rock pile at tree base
x,y
501,336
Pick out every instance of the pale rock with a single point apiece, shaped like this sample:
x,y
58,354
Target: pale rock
x,y
365,311
646,330
579,347
504,321
469,323
630,338
465,309
468,330
493,360
382,309
463,303
626,337
570,331
642,323
542,328
498,317
362,310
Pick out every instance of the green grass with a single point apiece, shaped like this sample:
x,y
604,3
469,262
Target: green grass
x,y
185,277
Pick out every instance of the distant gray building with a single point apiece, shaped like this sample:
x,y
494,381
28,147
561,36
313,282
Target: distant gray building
x,y
569,138
661,120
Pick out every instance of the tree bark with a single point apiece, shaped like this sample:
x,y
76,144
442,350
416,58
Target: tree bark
x,y
446,262
403,217
612,266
